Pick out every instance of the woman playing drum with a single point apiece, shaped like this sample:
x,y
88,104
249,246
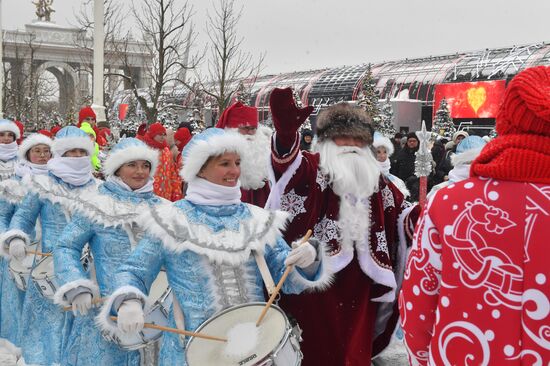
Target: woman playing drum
x,y
104,218
44,326
34,153
205,243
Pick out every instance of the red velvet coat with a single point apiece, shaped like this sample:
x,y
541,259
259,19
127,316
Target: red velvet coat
x,y
339,324
477,283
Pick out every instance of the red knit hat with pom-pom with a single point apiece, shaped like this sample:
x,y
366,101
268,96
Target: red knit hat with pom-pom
x,y
182,137
155,129
521,152
85,113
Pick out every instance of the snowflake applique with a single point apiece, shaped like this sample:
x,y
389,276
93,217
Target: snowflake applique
x,y
387,198
321,180
382,242
326,230
293,203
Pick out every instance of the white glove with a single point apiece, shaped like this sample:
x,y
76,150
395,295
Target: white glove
x,y
302,255
82,303
17,249
130,316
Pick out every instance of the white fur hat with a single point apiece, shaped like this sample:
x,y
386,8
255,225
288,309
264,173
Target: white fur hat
x,y
69,138
210,142
130,149
10,126
31,141
380,140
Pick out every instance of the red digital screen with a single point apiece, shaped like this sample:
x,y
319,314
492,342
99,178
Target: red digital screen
x,y
471,100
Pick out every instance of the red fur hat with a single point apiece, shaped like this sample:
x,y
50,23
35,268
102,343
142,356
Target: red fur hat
x,y
54,130
155,129
238,115
46,133
182,137
84,113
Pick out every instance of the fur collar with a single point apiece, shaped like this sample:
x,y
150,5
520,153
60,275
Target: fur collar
x,y
12,191
178,232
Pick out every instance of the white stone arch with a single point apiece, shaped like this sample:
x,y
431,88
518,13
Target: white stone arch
x,y
74,94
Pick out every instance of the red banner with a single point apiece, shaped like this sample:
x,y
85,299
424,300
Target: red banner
x,y
122,109
471,100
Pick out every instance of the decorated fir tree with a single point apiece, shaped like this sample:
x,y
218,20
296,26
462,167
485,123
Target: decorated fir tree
x,y
443,123
384,124
368,97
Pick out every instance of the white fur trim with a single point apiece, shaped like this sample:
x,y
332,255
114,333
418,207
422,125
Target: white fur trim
x,y
9,348
29,142
13,190
171,226
48,189
103,319
62,145
378,274
6,237
201,150
385,142
59,296
466,157
118,158
11,127
278,186
325,273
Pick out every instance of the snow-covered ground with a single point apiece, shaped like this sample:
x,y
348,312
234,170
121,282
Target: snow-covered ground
x,y
394,355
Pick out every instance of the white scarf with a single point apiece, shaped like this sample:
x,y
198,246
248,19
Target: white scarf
x,y
384,166
459,172
202,192
148,187
75,171
23,168
8,151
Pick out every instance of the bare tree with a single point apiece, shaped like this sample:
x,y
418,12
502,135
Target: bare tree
x,y
167,34
25,90
228,63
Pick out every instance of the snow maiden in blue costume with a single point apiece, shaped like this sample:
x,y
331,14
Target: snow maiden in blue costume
x,y
104,218
34,153
9,133
205,244
44,327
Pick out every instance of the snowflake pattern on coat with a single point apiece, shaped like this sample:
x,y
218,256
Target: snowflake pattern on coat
x,y
326,230
321,180
293,203
382,242
387,198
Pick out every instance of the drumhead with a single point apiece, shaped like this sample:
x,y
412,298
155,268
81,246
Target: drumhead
x,y
44,268
272,331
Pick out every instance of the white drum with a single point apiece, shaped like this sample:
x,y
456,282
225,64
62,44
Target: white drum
x,y
20,271
278,343
44,278
158,314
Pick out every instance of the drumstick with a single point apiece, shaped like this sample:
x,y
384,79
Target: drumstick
x,y
179,331
94,302
39,253
280,284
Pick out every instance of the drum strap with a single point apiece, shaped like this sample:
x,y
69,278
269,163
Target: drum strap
x,y
264,271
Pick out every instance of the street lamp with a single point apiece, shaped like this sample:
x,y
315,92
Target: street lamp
x,y
99,38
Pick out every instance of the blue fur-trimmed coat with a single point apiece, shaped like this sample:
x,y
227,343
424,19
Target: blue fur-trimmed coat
x,y
207,254
104,218
44,327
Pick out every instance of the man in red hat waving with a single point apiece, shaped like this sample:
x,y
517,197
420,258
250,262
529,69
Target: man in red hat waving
x,y
254,172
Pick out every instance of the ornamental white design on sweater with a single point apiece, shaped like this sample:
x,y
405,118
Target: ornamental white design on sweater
x,y
293,203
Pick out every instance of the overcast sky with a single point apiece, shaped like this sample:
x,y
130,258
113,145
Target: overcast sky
x,y
311,34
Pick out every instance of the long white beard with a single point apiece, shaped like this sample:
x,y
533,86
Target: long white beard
x,y
254,166
351,170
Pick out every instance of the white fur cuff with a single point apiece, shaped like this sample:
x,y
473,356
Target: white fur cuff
x,y
8,236
324,276
103,320
59,297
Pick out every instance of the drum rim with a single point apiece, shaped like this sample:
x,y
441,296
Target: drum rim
x,y
275,350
